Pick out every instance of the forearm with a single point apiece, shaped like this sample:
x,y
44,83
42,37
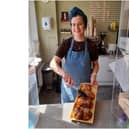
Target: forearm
x,y
94,72
95,68
55,66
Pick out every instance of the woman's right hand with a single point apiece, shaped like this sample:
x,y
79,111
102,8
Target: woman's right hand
x,y
68,80
55,65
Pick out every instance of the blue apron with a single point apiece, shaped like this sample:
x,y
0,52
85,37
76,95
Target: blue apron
x,y
78,66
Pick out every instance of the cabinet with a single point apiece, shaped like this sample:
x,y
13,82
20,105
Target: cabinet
x,y
120,70
105,75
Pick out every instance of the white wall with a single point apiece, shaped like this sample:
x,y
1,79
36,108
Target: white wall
x,y
48,38
33,33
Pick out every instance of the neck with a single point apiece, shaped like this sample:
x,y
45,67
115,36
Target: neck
x,y
79,38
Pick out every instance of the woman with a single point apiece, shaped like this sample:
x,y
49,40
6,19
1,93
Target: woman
x,y
80,56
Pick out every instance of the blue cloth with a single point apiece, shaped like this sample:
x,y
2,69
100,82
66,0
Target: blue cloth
x,y
78,66
75,11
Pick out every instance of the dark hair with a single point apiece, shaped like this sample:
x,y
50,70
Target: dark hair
x,y
75,11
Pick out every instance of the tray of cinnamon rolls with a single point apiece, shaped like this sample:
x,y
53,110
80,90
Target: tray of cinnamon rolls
x,y
84,105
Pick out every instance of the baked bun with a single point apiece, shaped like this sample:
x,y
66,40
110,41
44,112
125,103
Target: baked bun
x,y
77,113
87,114
85,87
84,101
90,94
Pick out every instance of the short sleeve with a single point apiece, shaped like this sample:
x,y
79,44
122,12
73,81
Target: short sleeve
x,y
93,51
63,48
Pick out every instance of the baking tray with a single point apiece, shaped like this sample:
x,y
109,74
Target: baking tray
x,y
91,120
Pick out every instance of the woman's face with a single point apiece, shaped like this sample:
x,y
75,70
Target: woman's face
x,y
77,26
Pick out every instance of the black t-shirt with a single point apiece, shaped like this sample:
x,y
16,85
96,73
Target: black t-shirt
x,y
78,46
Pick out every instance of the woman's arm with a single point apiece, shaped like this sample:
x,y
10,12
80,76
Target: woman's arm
x,y
94,72
55,65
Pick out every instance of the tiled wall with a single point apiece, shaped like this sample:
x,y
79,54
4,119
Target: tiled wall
x,y
103,11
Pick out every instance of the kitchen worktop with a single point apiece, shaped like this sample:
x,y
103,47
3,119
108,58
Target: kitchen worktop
x,y
57,116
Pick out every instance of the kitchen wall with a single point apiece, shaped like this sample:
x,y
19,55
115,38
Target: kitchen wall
x,y
33,32
104,12
48,39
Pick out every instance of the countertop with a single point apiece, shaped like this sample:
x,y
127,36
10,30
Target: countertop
x,y
57,116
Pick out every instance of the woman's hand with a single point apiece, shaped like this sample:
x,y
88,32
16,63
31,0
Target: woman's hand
x,y
68,80
55,65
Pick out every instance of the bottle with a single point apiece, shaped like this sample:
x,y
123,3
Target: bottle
x,y
122,121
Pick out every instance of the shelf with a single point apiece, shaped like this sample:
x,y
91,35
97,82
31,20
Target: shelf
x,y
65,32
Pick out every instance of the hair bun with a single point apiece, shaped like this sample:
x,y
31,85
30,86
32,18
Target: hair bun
x,y
77,11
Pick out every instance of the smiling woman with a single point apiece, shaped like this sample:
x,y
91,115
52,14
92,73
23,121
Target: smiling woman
x,y
79,55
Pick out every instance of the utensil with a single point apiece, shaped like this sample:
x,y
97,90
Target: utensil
x,y
75,87
81,93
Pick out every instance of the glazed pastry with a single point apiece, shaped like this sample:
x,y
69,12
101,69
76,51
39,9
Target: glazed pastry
x,y
87,93
81,101
84,87
84,101
83,107
87,114
90,94
88,103
77,113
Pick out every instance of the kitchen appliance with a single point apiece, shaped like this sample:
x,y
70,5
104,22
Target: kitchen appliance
x,y
111,48
101,47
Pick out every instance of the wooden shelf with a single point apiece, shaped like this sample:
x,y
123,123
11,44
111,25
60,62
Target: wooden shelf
x,y
65,32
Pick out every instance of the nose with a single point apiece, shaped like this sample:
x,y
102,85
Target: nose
x,y
76,26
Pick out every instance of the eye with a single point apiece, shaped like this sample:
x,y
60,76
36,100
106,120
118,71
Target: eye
x,y
73,24
76,24
80,24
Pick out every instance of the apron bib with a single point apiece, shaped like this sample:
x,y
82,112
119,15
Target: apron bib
x,y
78,66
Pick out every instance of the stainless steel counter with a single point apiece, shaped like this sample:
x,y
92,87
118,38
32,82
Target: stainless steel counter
x,y
57,116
